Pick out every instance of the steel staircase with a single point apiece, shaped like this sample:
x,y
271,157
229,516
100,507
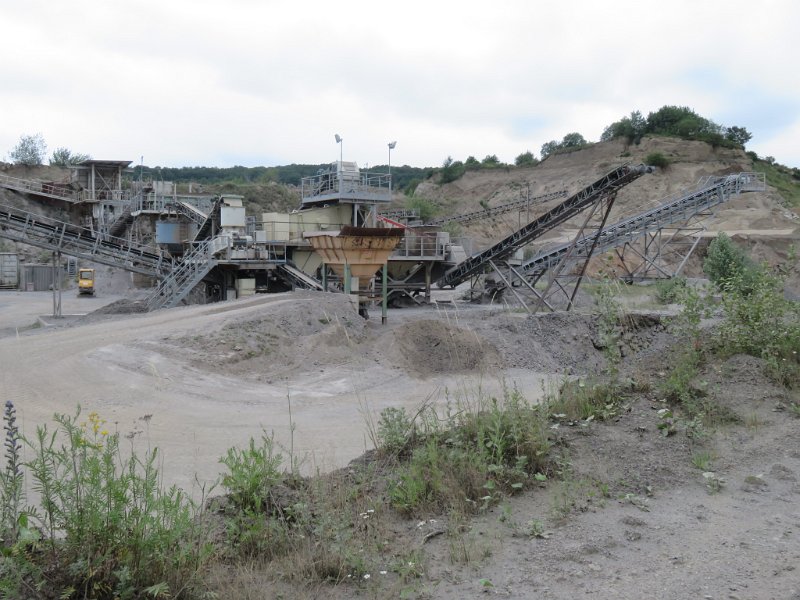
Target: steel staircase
x,y
196,264
572,206
189,211
206,229
119,226
59,236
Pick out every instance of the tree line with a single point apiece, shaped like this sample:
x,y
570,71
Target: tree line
x,y
676,121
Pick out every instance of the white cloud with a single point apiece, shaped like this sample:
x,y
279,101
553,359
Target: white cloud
x,y
271,82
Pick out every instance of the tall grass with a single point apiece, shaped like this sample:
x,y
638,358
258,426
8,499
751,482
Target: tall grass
x,y
105,527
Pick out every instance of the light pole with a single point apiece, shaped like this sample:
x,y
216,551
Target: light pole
x,y
391,147
339,141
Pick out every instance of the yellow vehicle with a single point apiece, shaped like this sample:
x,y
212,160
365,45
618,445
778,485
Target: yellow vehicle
x,y
86,282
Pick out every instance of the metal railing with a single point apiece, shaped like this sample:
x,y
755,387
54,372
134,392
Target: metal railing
x,y
72,240
346,186
171,290
677,208
41,188
422,246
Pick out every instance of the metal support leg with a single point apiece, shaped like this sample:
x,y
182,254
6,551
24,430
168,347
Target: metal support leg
x,y
324,277
385,294
347,282
428,269
57,284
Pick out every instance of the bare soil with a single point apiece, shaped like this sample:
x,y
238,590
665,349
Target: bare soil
x,y
631,516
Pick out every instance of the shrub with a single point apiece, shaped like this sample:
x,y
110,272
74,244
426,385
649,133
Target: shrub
x,y
760,321
427,209
465,461
252,473
727,265
670,290
105,526
657,159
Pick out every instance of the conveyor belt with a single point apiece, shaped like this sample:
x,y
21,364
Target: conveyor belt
x,y
572,206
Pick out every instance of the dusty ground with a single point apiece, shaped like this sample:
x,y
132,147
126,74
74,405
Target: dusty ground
x,y
633,517
197,380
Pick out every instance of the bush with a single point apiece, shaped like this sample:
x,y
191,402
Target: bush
x,y
464,462
727,265
760,321
427,209
669,291
105,528
657,159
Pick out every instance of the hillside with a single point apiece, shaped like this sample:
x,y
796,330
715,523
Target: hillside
x,y
689,162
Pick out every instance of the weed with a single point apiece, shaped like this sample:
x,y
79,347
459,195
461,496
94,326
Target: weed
x,y
11,477
580,400
395,431
469,457
714,483
753,421
536,529
702,460
252,473
669,291
104,525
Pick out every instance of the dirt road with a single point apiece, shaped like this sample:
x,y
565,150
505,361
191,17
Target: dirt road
x,y
127,369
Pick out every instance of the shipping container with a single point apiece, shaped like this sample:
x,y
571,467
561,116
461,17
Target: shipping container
x,y
9,270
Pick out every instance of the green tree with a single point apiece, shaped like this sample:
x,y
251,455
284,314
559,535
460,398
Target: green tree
x,y
738,135
472,164
573,140
632,128
451,170
29,151
63,157
526,159
549,148
491,161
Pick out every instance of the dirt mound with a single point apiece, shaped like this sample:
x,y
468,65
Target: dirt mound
x,y
308,331
430,347
568,342
121,307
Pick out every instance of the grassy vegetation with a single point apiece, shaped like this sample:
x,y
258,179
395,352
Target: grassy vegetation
x,y
785,179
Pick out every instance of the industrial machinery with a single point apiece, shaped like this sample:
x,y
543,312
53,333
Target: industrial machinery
x,y
86,282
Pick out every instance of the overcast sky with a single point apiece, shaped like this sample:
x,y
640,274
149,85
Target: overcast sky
x,y
248,82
